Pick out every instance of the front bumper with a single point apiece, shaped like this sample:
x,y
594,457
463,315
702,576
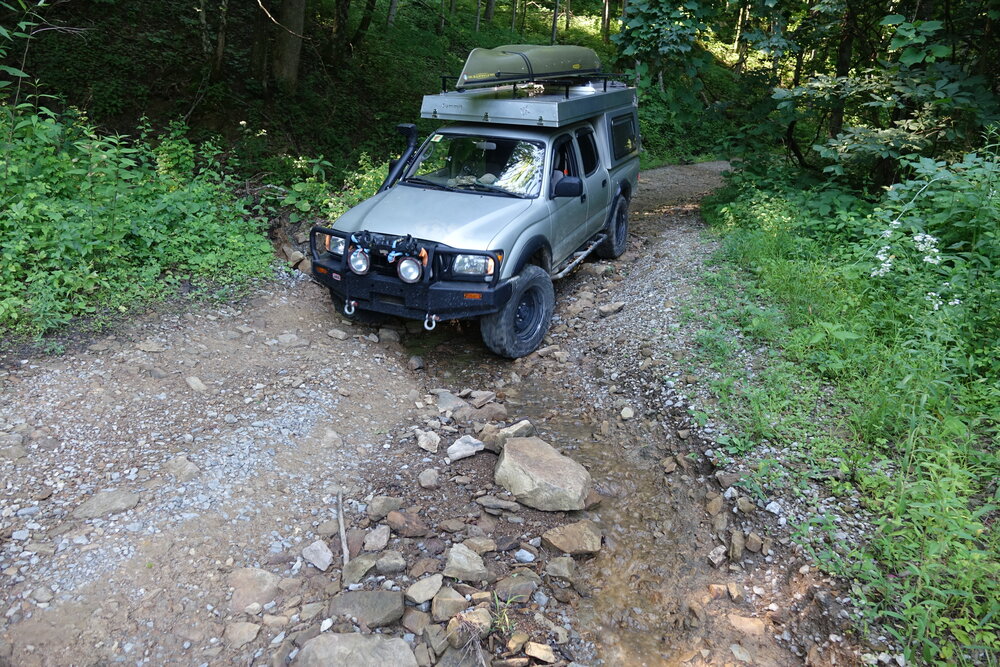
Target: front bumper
x,y
429,298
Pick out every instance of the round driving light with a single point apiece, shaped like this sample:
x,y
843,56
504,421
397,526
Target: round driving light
x,y
359,261
409,270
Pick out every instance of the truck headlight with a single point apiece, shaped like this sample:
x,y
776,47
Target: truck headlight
x,y
473,265
359,261
409,269
335,245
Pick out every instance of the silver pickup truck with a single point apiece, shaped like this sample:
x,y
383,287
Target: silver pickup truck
x,y
534,175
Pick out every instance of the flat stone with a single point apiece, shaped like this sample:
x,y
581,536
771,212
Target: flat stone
x,y
446,603
540,477
356,570
337,334
465,564
518,587
582,537
380,506
447,401
252,585
428,441
319,555
436,638
196,384
373,608
425,589
754,543
736,545
406,524
390,562
240,634
563,567
481,545
735,591
745,505
182,469
356,650
467,626
494,503
464,447
714,506
540,652
611,308
747,625
717,556
106,502
415,620
740,653
429,479
377,539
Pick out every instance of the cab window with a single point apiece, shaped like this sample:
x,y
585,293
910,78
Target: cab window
x,y
563,161
588,151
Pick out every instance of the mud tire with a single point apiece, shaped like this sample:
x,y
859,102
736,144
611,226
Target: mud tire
x,y
517,329
617,240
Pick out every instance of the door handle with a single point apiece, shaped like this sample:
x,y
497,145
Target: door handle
x,y
583,197
604,183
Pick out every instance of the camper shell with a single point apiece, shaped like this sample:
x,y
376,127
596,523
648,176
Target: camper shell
x,y
526,179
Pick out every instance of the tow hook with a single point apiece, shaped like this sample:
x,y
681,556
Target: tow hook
x,y
431,321
349,307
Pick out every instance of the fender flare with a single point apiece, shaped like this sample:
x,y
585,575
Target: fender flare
x,y
533,245
619,192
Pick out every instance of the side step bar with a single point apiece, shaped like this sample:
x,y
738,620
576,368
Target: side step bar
x,y
579,256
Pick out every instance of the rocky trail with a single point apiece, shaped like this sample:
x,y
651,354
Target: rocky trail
x,y
187,490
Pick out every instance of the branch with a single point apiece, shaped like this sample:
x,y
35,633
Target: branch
x,y
260,3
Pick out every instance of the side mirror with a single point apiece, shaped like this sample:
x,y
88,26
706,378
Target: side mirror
x,y
568,186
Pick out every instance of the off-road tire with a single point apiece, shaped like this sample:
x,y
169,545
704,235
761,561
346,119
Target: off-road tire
x,y
613,246
517,329
359,316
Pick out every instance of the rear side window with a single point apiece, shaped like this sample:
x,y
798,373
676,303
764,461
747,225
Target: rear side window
x,y
588,151
623,135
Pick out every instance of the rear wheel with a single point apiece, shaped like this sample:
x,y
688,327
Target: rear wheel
x,y
517,329
613,246
359,316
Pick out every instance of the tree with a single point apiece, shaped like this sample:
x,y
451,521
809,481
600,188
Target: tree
x,y
288,44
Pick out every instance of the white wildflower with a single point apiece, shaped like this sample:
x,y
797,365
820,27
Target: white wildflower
x,y
935,300
885,260
886,233
954,302
243,123
925,242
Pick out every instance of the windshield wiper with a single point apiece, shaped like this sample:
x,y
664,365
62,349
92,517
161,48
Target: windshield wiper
x,y
489,188
416,180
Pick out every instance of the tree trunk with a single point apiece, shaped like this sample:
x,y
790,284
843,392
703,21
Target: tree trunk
x,y
513,15
339,27
555,20
220,40
491,8
567,15
606,22
843,67
288,45
440,26
363,25
391,16
451,9
479,12
260,46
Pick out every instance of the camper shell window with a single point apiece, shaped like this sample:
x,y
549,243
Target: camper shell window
x,y
623,135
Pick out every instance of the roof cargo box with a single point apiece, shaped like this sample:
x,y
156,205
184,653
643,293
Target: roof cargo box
x,y
537,106
526,62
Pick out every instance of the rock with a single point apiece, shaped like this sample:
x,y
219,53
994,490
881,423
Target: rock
x,y
494,503
747,625
387,335
415,620
415,363
481,545
524,556
373,608
355,540
428,441
736,544
518,587
468,626
106,502
240,633
406,524
446,603
428,479
744,505
464,447
356,570
252,585
337,334
480,398
424,566
42,594
465,564
356,650
380,506
582,537
541,477
563,567
390,562
517,641
611,308
377,539
684,433
436,638
773,507
754,542
727,479
540,652
495,438
447,401
425,589
319,555
717,556
182,469
627,413
741,653
196,384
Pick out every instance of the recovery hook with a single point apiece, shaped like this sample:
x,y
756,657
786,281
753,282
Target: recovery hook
x,y
349,307
431,321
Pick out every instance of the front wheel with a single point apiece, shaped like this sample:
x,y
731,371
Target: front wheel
x,y
517,329
613,246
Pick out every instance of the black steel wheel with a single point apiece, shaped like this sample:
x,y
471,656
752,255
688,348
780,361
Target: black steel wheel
x,y
517,329
617,240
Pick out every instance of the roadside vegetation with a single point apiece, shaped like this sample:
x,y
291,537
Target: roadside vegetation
x,y
146,150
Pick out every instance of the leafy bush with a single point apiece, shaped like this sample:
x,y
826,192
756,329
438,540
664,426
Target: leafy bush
x,y
94,221
895,303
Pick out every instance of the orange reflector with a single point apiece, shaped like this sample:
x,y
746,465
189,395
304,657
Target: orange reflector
x,y
473,295
320,269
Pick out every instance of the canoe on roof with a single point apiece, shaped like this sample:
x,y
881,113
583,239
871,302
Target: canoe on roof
x,y
526,62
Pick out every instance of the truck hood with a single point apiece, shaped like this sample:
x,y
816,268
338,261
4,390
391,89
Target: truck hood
x,y
464,220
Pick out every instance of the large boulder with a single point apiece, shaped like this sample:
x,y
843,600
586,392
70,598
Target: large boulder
x,y
356,650
541,477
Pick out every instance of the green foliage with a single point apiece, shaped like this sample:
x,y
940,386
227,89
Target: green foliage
x,y
93,221
316,197
894,304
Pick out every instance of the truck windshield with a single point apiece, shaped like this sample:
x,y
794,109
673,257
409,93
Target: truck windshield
x,y
481,164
